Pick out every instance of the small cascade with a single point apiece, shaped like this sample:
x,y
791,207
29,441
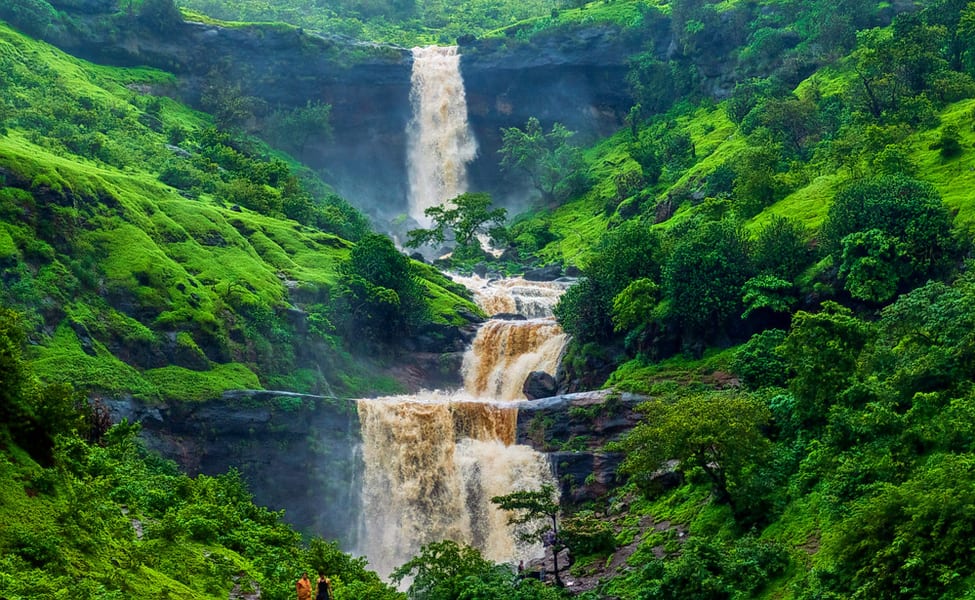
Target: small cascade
x,y
504,353
434,461
440,141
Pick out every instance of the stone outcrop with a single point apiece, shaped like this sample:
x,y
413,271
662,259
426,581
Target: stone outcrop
x,y
572,75
296,452
539,384
574,429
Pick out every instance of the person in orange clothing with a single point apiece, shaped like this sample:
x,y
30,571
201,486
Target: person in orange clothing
x,y
303,587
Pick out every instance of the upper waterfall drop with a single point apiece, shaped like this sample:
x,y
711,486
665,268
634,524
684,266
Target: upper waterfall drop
x,y
440,141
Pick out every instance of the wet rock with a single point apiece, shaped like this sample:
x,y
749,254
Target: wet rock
x,y
574,429
546,273
294,450
509,317
539,384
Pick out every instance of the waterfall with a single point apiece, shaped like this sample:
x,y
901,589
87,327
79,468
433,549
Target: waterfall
x,y
434,461
440,142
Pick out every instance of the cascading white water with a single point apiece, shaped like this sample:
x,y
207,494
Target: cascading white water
x,y
434,461
440,141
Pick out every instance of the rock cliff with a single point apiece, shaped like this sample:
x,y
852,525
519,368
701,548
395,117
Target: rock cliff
x,y
574,429
574,75
296,452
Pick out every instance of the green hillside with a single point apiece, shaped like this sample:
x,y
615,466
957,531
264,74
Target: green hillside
x,y
775,249
152,253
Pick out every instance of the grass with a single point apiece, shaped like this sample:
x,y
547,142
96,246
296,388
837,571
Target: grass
x,y
158,274
654,378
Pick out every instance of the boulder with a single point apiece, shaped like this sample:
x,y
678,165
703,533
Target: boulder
x,y
539,384
546,273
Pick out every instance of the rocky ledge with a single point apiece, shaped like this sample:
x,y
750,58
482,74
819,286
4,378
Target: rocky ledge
x,y
573,430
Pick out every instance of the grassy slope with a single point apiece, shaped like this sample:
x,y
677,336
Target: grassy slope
x,y
193,270
580,223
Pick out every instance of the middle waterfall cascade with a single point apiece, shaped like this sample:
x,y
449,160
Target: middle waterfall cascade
x,y
440,141
433,461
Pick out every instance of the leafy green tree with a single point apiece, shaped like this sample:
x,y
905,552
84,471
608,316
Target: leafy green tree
x,y
442,570
793,122
292,129
628,252
469,215
966,32
541,507
895,67
767,293
926,336
709,570
160,15
703,278
656,85
759,362
910,215
822,350
871,265
909,540
379,297
33,16
949,144
718,433
745,97
635,304
31,413
553,165
781,249
756,184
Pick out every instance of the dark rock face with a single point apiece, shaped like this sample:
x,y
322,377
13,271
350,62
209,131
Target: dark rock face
x,y
539,384
573,76
573,429
576,77
296,452
546,273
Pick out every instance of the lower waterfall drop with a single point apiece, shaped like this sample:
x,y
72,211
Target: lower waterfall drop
x,y
434,461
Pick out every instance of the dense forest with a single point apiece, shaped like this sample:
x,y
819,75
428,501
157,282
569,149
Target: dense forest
x,y
773,250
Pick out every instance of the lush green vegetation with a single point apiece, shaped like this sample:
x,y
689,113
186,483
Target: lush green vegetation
x,y
782,265
88,512
157,255
405,22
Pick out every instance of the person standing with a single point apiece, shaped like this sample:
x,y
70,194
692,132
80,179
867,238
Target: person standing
x,y
324,587
303,587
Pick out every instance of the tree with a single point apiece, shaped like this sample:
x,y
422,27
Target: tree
x,y
767,293
871,265
703,278
379,297
719,433
469,216
910,215
821,376
160,15
756,184
626,253
537,505
441,569
293,129
781,249
551,163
